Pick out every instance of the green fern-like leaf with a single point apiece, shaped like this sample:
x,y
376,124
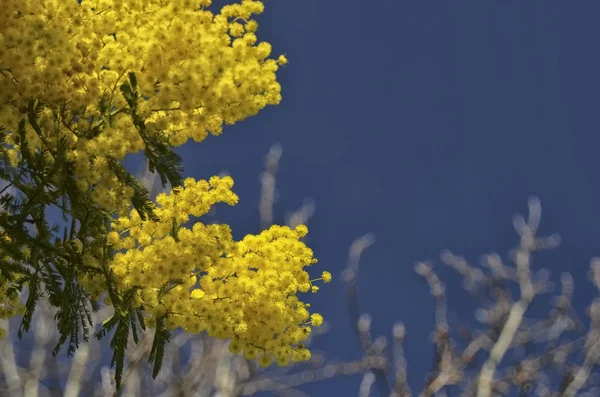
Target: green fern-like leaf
x,y
140,199
157,353
119,345
30,305
161,156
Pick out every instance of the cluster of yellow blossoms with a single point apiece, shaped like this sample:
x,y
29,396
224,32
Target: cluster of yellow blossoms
x,y
245,291
196,70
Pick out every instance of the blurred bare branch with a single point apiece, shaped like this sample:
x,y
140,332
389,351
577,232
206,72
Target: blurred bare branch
x,y
509,353
302,215
267,181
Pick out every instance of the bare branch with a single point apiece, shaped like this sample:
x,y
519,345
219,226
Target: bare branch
x,y
527,232
268,192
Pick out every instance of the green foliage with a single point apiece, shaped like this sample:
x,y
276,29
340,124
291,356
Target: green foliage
x,y
161,156
157,353
48,261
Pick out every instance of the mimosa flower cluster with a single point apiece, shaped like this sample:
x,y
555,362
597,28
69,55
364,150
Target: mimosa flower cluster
x,y
196,70
245,291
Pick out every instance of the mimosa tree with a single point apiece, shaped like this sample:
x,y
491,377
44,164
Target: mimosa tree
x,y
81,86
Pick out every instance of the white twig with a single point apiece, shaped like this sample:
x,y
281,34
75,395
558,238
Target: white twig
x,y
77,370
38,355
366,384
527,232
302,215
268,192
9,365
582,374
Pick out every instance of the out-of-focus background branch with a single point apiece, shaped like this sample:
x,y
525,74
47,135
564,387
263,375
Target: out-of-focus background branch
x,y
194,365
509,354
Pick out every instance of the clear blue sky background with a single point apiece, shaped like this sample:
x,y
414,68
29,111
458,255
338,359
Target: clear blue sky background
x,y
428,124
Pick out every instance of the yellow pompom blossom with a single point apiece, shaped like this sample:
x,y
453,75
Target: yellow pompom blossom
x,y
316,319
195,70
247,289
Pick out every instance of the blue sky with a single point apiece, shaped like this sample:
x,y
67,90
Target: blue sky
x,y
428,124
